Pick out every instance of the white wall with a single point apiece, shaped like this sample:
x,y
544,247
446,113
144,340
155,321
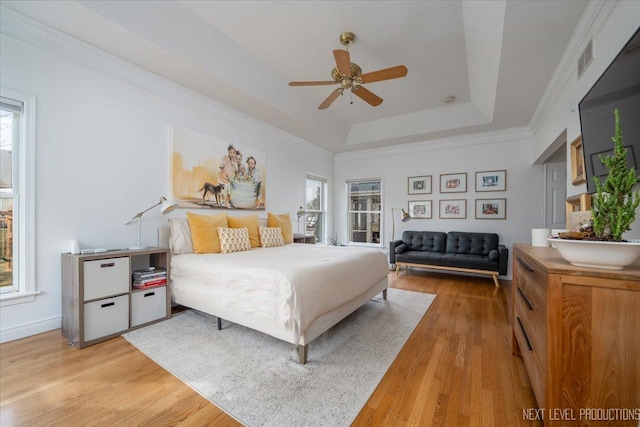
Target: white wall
x,y
102,155
609,33
525,185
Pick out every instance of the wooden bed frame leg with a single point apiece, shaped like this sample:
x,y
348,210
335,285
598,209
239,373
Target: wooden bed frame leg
x,y
302,353
219,324
495,281
384,294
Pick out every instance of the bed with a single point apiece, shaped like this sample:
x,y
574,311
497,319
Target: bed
x,y
293,292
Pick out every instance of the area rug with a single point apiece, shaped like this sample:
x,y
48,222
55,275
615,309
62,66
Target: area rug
x,y
257,379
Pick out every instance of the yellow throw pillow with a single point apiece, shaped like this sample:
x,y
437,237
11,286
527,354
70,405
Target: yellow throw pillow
x,y
234,239
250,222
283,221
204,232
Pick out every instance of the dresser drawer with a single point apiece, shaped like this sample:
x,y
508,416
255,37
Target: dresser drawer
x,y
531,285
534,325
106,277
148,305
105,317
531,359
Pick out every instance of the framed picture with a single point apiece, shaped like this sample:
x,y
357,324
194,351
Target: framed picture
x,y
210,173
577,162
419,185
453,209
491,208
578,203
420,209
453,183
491,181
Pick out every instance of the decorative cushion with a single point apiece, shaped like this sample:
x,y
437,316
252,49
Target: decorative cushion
x,y
233,239
181,236
494,255
271,236
250,222
401,248
283,221
204,232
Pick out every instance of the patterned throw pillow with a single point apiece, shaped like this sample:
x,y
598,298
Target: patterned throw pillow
x,y
271,236
234,239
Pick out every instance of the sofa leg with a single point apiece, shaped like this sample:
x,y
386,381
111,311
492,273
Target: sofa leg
x,y
384,294
495,281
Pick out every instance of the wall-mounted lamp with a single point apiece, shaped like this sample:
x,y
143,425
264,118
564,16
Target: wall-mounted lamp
x,y
167,206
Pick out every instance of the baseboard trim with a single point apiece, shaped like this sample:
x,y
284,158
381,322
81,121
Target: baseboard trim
x,y
32,328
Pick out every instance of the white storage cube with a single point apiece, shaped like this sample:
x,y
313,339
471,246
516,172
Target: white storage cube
x,y
148,305
106,277
105,317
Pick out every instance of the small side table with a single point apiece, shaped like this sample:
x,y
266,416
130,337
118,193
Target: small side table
x,y
304,238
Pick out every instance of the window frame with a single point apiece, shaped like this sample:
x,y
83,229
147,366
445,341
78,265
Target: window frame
x,y
23,203
351,211
323,200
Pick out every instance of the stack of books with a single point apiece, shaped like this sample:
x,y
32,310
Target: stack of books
x,y
149,277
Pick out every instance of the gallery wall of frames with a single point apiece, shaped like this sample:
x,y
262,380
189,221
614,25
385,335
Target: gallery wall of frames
x,y
453,200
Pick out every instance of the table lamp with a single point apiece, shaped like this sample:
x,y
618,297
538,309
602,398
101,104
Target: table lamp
x,y
167,206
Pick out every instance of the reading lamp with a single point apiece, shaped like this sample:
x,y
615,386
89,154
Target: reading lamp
x,y
301,212
405,217
167,206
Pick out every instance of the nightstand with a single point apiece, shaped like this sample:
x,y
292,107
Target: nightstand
x,y
99,300
304,238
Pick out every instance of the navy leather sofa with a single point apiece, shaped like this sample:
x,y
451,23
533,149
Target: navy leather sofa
x,y
453,251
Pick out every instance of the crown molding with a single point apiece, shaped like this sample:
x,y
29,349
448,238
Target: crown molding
x,y
513,135
26,30
594,17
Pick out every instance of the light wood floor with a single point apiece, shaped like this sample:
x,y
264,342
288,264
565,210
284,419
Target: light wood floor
x,y
456,369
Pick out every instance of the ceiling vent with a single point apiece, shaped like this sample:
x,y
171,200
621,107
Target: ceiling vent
x,y
585,58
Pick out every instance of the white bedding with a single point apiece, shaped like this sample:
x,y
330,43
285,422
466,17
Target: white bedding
x,y
291,285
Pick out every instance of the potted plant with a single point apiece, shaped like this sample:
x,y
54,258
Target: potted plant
x,y
613,212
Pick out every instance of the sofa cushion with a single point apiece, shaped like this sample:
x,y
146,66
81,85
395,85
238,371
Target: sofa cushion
x,y
429,241
401,248
494,255
459,242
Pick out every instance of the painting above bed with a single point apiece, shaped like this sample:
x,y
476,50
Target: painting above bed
x,y
207,172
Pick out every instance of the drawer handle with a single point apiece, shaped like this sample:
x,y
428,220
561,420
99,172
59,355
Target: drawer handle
x,y
525,334
526,267
150,294
524,297
109,264
109,304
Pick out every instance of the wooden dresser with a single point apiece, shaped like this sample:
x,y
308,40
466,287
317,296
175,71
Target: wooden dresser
x,y
578,332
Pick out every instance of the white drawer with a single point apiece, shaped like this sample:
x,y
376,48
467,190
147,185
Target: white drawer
x,y
148,305
105,317
106,277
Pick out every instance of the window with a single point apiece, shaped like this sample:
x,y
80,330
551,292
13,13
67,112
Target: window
x,y
315,202
365,207
17,253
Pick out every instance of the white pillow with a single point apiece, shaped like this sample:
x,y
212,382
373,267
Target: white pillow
x,y
181,236
234,239
271,237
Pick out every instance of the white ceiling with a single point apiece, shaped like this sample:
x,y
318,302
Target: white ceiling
x,y
495,57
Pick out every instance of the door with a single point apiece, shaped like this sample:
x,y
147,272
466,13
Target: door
x,y
556,195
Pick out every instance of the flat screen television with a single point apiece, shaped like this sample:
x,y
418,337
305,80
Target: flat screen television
x,y
618,87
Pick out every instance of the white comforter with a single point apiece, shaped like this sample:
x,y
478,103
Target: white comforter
x,y
292,284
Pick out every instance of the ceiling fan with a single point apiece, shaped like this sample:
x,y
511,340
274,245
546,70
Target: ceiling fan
x,y
349,76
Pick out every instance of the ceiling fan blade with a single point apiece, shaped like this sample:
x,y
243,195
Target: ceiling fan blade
x,y
343,61
386,74
366,95
311,83
330,99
